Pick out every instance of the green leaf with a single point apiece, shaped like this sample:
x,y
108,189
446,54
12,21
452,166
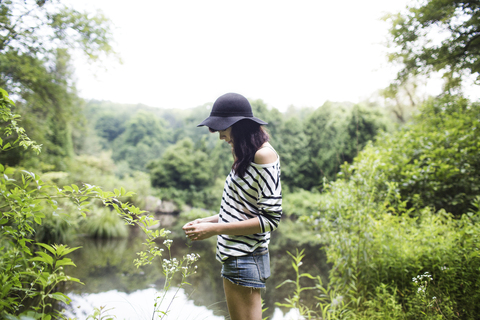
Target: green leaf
x,y
9,171
74,280
46,246
43,257
64,262
60,297
64,250
37,219
285,282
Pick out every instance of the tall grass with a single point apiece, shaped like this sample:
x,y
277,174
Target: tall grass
x,y
106,224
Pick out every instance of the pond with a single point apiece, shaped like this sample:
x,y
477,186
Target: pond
x,y
113,282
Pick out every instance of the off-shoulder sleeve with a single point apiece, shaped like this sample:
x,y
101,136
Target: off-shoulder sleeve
x,y
269,200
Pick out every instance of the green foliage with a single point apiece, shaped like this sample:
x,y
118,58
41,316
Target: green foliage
x,y
35,48
101,170
24,203
57,226
105,223
300,203
296,301
137,134
144,139
271,115
370,248
438,35
434,160
181,167
110,125
393,254
292,146
11,127
101,313
335,134
30,280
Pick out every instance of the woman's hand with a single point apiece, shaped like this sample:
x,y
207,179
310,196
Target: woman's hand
x,y
197,230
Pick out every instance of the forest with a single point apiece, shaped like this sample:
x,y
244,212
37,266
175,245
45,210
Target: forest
x,y
387,188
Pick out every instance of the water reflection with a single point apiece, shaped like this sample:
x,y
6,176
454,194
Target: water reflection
x,y
139,305
111,279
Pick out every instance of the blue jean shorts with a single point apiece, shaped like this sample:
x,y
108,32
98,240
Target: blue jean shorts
x,y
249,271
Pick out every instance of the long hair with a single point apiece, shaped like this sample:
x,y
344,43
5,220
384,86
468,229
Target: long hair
x,y
248,136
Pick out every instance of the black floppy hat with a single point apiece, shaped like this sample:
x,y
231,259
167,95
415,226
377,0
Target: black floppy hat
x,y
227,110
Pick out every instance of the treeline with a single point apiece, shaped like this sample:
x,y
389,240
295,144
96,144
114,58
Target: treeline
x,y
185,162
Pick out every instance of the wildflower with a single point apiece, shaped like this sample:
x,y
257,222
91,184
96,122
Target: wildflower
x,y
167,243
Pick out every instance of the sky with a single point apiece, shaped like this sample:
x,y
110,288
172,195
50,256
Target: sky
x,y
182,54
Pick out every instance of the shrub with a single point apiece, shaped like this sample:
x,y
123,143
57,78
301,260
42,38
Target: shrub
x,y
386,226
31,272
300,203
434,160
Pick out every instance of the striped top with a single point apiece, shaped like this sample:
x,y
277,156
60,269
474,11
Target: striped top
x,y
257,194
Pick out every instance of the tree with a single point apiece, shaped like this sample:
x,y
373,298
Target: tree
x,y
438,35
182,167
36,42
335,134
292,146
110,125
270,115
434,160
145,138
32,271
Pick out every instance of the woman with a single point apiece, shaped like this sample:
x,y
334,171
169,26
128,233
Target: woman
x,y
250,208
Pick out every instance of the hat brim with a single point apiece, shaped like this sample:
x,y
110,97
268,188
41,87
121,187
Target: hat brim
x,y
222,123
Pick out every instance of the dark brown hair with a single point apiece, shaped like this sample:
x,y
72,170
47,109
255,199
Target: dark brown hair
x,y
248,136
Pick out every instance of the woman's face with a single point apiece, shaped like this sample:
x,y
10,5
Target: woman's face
x,y
225,135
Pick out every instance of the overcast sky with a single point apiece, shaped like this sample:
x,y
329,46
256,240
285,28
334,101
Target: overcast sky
x,y
181,54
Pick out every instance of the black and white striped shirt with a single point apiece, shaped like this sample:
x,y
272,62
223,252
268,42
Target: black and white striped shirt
x,y
257,194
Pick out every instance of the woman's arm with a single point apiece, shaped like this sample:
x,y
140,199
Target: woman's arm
x,y
211,219
202,231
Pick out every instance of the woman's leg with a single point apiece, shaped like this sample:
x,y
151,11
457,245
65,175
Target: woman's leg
x,y
243,303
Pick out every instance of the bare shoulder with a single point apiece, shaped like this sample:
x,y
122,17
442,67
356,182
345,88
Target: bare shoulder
x,y
265,155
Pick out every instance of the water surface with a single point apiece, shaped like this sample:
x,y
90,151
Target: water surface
x,y
112,281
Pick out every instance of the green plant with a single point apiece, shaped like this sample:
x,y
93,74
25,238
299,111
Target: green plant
x,y
385,221
105,223
295,301
300,203
30,281
99,314
433,160
46,273
171,267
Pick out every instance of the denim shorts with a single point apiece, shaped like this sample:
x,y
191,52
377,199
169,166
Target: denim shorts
x,y
249,271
